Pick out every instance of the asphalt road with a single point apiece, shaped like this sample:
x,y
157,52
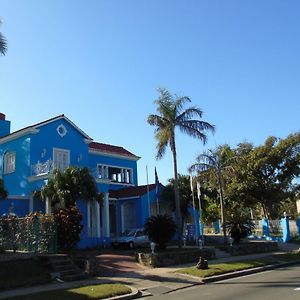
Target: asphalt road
x,y
276,284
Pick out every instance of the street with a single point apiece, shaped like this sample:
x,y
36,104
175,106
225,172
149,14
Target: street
x,y
276,284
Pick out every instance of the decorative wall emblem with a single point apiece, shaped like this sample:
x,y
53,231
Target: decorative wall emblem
x,y
61,130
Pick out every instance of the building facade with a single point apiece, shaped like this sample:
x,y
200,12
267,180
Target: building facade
x,y
28,156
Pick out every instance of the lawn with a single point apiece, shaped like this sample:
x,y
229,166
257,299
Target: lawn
x,y
216,269
100,291
20,273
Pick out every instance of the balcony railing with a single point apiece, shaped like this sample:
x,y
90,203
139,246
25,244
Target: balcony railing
x,y
42,168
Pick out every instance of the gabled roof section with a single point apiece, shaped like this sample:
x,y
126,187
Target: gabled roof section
x,y
135,191
34,129
107,149
67,120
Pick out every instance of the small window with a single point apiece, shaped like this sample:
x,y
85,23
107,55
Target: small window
x,y
9,162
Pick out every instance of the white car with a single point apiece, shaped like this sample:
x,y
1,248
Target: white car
x,y
133,238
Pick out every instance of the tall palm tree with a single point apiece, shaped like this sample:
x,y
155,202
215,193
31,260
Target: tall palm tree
x,y
171,115
210,160
3,43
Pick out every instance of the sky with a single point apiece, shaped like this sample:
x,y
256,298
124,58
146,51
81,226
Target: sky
x,y
100,63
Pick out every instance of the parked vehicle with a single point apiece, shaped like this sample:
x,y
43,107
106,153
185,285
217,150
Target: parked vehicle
x,y
131,239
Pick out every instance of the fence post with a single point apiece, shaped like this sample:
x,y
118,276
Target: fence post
x,y
217,227
298,226
265,227
285,229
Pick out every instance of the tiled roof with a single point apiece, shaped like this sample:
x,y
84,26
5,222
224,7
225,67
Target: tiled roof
x,y
135,191
111,149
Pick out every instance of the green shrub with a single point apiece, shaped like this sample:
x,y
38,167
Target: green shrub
x,y
160,229
68,222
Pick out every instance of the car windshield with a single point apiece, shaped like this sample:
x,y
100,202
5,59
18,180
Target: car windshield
x,y
131,233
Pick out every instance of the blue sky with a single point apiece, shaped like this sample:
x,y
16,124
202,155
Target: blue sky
x,y
100,63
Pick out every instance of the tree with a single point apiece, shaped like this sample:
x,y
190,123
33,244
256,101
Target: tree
x,y
185,195
3,192
68,221
272,170
215,161
3,43
160,229
171,115
65,188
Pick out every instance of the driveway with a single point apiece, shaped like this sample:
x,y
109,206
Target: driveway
x,y
118,264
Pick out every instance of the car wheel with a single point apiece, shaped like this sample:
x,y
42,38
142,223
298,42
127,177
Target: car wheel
x,y
131,245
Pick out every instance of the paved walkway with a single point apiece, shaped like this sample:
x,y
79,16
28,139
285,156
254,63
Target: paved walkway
x,y
123,269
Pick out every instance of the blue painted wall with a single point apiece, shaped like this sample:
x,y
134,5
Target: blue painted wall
x,y
38,148
16,182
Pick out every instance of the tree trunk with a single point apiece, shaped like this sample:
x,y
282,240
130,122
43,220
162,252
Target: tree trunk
x,y
223,216
177,200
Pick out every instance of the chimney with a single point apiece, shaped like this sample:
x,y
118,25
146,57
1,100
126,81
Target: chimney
x,y
4,125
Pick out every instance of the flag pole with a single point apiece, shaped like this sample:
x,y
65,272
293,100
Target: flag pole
x,y
149,210
194,208
200,211
156,191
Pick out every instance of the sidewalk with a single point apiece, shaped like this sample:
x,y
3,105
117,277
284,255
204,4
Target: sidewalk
x,y
150,281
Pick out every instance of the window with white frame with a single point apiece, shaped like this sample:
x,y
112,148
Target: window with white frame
x,y
61,158
9,163
115,174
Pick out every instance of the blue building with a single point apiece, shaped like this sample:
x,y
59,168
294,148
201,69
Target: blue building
x,y
27,157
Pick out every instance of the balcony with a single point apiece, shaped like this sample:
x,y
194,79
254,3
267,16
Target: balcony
x,y
44,168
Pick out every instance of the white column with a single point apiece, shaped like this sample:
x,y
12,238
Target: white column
x,y
98,230
130,176
48,207
88,204
126,175
106,215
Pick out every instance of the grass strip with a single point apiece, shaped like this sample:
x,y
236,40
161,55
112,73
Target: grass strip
x,y
99,291
222,268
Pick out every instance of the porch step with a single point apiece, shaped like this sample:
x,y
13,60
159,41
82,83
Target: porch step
x,y
64,268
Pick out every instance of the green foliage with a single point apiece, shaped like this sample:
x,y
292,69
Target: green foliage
x,y
3,192
171,114
239,230
68,221
186,201
216,269
65,188
160,229
255,177
36,232
100,291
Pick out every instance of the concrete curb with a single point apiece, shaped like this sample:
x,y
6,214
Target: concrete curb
x,y
246,272
134,293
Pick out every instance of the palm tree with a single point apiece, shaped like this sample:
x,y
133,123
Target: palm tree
x,y
172,115
64,188
3,44
213,161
